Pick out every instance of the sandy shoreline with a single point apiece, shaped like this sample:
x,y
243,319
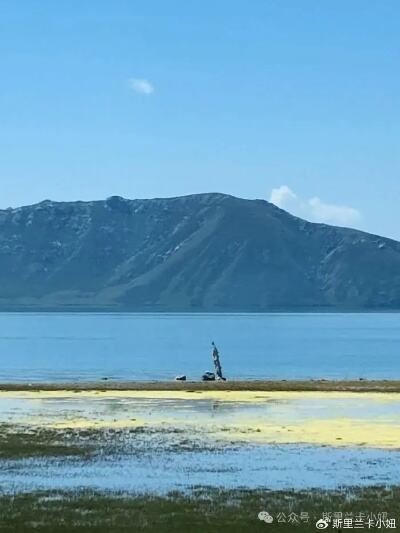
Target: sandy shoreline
x,y
235,385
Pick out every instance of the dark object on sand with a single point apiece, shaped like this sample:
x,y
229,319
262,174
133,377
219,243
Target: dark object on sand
x,y
208,376
180,378
217,363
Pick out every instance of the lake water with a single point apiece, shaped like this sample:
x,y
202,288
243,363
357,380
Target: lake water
x,y
58,347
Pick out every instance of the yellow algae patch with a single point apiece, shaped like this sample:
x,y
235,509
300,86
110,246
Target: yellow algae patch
x,y
225,396
312,417
332,432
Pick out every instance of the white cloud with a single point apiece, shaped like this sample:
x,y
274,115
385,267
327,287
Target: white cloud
x,y
334,214
314,209
285,198
141,86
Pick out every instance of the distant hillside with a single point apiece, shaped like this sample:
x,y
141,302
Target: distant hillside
x,y
205,252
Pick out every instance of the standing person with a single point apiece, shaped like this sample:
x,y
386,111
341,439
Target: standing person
x,y
217,363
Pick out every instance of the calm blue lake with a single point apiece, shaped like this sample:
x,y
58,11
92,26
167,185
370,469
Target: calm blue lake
x,y
57,347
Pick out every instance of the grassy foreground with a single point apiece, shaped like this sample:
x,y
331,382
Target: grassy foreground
x,y
202,511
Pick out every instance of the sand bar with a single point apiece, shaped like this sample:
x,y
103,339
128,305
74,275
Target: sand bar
x,y
233,385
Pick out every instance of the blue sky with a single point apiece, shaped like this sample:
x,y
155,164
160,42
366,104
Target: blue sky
x,y
296,99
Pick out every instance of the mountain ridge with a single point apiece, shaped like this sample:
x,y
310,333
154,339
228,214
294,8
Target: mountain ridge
x,y
202,252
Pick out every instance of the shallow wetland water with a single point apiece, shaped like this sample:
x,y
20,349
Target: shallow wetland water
x,y
158,441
